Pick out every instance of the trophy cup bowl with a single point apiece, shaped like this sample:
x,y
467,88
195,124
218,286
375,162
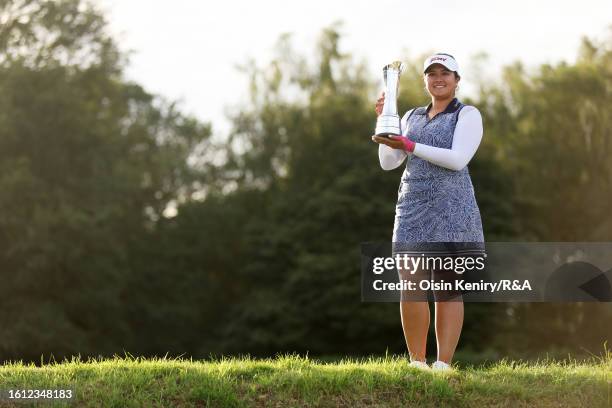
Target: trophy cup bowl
x,y
388,122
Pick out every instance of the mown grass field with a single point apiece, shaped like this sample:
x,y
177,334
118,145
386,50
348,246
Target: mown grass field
x,y
294,381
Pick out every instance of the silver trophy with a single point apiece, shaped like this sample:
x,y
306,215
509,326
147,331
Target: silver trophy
x,y
388,122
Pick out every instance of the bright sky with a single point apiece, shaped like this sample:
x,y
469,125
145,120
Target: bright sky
x,y
187,50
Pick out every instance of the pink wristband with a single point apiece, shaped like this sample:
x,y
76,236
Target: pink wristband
x,y
408,144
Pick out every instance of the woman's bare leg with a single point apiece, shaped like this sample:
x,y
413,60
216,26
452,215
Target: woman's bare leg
x,y
415,323
449,321
414,312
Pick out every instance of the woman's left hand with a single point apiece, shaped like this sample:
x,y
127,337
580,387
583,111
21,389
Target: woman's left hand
x,y
395,142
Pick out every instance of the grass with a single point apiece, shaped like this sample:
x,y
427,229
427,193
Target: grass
x,y
294,381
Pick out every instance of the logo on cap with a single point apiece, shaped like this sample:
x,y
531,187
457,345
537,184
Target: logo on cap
x,y
437,58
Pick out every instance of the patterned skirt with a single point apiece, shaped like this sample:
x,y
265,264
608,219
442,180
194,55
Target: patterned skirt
x,y
437,214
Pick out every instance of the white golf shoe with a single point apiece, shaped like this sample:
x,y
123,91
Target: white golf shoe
x,y
441,366
419,364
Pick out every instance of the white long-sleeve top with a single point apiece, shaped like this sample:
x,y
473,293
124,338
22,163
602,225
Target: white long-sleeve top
x,y
466,139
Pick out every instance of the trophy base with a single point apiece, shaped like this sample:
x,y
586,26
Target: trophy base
x,y
387,125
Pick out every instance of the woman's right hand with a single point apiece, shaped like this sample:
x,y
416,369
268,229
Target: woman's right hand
x,y
379,104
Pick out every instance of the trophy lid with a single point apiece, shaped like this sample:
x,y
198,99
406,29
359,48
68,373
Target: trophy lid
x,y
395,66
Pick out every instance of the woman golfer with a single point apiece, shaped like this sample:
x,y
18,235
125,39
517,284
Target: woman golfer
x,y
436,202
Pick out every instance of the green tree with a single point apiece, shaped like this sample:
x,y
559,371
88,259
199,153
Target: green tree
x,y
88,163
303,143
553,135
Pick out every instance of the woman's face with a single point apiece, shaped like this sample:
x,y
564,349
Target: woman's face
x,y
441,83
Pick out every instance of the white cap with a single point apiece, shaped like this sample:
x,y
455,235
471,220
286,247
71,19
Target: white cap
x,y
444,59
